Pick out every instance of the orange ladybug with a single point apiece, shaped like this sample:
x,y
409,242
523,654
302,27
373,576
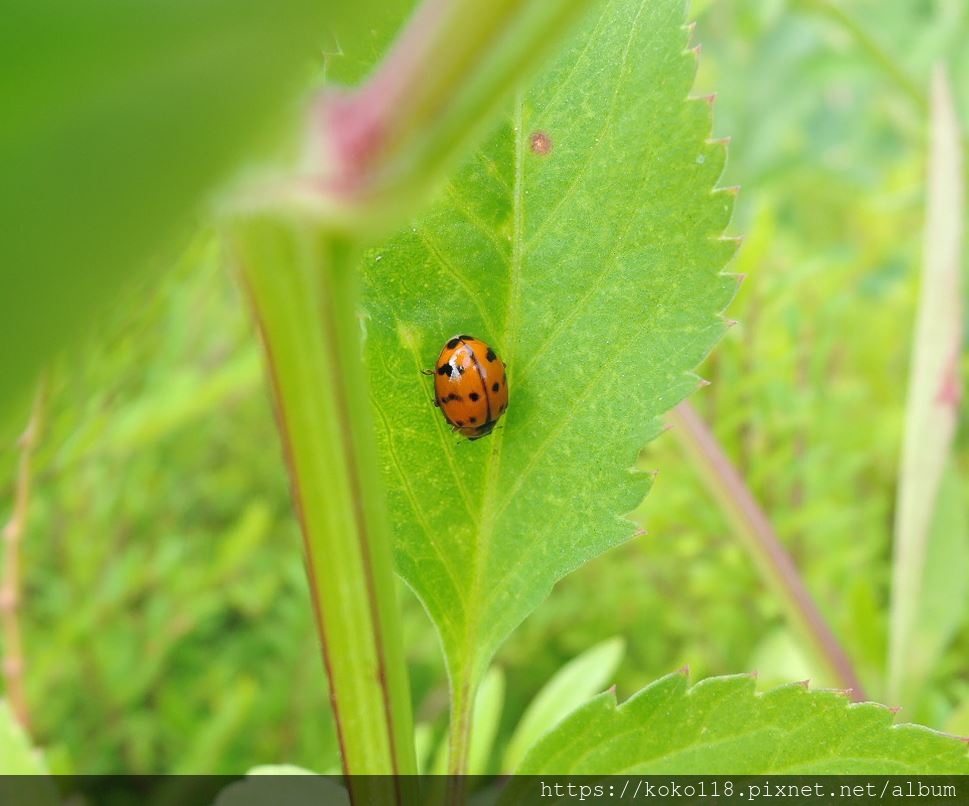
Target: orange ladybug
x,y
470,387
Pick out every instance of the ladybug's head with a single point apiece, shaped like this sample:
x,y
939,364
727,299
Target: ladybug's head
x,y
478,431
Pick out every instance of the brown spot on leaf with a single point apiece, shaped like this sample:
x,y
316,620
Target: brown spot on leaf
x,y
540,143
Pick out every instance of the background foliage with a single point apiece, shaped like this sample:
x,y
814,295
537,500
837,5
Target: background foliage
x,y
166,616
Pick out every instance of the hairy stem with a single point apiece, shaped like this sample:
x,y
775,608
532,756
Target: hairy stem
x,y
302,284
760,540
459,738
10,587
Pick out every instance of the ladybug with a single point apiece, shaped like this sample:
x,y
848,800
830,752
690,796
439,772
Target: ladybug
x,y
470,387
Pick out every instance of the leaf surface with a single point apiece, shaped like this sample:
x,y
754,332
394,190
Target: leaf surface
x,y
573,684
583,242
722,726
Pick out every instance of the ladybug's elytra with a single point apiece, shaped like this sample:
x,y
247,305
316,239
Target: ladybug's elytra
x,y
470,386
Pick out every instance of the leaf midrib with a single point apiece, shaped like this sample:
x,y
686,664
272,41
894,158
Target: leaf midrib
x,y
492,505
488,515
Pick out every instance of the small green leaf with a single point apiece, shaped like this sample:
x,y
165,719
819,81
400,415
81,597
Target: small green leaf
x,y
569,688
722,726
283,783
944,601
487,716
17,757
583,241
24,777
280,769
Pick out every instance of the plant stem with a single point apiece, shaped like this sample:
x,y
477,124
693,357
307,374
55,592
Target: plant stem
x,y
10,587
459,737
934,393
302,282
387,143
753,527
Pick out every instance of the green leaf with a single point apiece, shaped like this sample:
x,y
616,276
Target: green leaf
x,y
357,41
487,716
120,118
17,757
583,241
283,783
24,777
569,688
722,726
944,601
280,769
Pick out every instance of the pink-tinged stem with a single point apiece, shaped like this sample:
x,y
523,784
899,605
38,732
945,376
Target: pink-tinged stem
x,y
10,587
761,541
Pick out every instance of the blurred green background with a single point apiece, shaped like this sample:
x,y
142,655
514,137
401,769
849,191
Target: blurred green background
x,y
166,619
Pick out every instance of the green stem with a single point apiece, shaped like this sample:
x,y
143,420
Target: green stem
x,y
303,285
459,737
757,535
389,142
11,583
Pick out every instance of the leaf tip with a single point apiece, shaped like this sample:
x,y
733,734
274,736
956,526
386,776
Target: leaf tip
x,y
730,323
805,684
701,382
718,141
730,190
684,671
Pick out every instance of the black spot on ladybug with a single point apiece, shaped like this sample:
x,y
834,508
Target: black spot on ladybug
x,y
474,395
444,369
466,337
459,422
454,396
460,371
490,355
453,342
474,419
495,386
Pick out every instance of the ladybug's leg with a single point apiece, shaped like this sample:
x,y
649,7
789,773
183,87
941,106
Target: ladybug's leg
x,y
427,372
